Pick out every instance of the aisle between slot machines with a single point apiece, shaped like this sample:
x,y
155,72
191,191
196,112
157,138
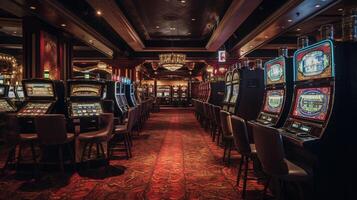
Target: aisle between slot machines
x,y
277,98
85,104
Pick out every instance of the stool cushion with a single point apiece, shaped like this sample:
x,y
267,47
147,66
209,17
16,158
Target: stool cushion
x,y
94,136
295,173
120,129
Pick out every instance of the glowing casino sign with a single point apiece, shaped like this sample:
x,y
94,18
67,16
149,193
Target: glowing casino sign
x,y
312,103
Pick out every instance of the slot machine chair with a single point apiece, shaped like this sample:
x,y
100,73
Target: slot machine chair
x,y
271,153
55,137
15,139
217,118
243,147
125,131
104,134
227,137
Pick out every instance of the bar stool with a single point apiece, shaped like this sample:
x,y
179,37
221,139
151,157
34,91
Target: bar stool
x,y
124,131
271,154
246,150
57,137
104,134
14,139
227,137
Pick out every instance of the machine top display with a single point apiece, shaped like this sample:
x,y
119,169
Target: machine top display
x,y
274,71
39,89
314,62
86,90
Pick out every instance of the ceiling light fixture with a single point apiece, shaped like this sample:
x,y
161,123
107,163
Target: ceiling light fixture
x,y
183,1
172,28
193,19
63,25
340,9
317,6
99,12
298,29
33,7
290,20
172,61
157,27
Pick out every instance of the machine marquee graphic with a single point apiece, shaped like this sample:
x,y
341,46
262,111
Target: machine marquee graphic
x,y
274,101
275,71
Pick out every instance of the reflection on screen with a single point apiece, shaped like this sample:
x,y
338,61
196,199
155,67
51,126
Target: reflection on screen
x,y
273,101
20,92
235,93
312,103
2,91
39,89
11,92
85,90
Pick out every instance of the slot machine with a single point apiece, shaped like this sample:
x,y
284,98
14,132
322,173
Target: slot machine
x,y
122,95
228,90
113,94
215,92
84,101
175,95
42,96
130,94
5,104
278,92
247,92
319,129
184,95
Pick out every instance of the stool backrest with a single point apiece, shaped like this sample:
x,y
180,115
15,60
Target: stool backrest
x,y
226,123
240,135
270,150
107,123
131,118
217,116
51,129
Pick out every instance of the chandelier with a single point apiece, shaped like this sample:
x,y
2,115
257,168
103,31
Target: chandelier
x,y
172,61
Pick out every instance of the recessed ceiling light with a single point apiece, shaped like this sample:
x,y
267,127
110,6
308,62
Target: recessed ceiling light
x,y
317,6
183,1
298,29
63,25
99,12
188,33
32,7
157,27
290,20
266,36
193,19
251,46
14,32
172,28
340,9
90,41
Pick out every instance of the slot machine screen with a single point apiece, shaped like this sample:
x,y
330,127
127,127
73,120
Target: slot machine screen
x,y
228,95
86,90
166,94
275,71
11,93
20,92
273,101
234,93
33,109
39,89
5,106
86,109
312,103
314,62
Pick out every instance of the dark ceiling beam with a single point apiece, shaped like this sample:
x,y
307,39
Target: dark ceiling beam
x,y
289,15
236,14
116,18
55,14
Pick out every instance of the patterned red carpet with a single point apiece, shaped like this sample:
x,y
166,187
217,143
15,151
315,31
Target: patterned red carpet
x,y
173,158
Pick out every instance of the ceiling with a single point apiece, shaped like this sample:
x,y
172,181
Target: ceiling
x,y
178,23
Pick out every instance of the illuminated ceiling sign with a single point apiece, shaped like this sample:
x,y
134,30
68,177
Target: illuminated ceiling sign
x,y
221,56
